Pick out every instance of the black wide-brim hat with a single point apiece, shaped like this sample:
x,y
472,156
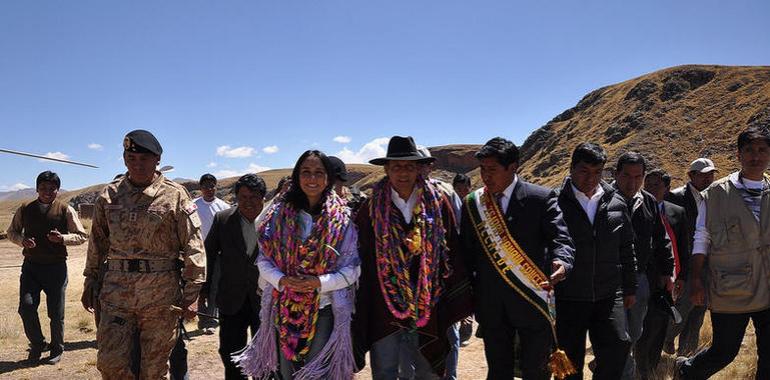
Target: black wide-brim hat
x,y
402,149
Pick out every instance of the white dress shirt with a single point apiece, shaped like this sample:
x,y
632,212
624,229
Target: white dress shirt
x,y
505,200
405,206
590,205
330,282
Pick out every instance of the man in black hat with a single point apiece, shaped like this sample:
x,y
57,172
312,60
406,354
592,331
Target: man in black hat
x,y
144,228
353,196
44,227
413,284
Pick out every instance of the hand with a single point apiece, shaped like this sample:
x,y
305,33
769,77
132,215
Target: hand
x,y
190,312
558,272
54,236
629,301
678,288
28,243
698,293
667,283
87,299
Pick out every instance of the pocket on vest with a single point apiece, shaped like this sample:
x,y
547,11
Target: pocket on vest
x,y
733,282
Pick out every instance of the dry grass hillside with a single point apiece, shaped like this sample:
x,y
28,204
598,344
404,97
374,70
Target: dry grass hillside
x,y
671,116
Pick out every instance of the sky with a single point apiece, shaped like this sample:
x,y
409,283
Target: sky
x,y
243,86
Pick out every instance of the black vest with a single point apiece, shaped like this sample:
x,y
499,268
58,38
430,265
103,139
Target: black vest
x,y
37,224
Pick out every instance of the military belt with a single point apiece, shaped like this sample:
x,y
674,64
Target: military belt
x,y
141,266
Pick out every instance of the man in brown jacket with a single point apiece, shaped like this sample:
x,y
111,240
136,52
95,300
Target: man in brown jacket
x,y
44,227
732,232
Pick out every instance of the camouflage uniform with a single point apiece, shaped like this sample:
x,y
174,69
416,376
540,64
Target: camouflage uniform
x,y
142,236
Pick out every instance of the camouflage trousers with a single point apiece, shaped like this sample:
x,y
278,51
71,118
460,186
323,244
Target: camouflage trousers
x,y
137,306
156,329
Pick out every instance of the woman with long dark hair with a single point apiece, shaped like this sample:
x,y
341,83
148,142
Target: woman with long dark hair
x,y
309,260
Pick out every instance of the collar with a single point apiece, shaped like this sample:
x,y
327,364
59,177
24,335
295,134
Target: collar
x,y
579,194
509,190
150,190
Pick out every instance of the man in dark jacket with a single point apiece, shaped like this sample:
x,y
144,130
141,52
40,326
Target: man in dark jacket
x,y
654,259
603,280
532,218
658,182
701,174
233,240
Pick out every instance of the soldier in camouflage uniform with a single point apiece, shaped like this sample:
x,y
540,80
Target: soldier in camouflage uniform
x,y
145,227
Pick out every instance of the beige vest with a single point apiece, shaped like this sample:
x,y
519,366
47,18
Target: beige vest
x,y
739,254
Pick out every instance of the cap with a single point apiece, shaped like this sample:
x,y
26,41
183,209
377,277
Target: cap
x,y
702,165
141,141
340,171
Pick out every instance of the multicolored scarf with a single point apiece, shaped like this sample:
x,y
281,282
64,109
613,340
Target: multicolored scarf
x,y
294,314
396,249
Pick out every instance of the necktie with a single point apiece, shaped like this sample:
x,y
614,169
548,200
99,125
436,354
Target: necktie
x,y
499,197
672,237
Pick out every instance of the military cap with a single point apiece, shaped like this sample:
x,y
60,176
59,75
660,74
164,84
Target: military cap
x,y
141,141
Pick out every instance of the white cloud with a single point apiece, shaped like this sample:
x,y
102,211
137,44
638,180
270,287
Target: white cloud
x,y
56,155
211,165
239,152
373,149
95,146
15,187
270,149
343,139
252,168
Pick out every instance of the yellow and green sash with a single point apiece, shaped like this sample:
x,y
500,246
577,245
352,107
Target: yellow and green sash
x,y
514,266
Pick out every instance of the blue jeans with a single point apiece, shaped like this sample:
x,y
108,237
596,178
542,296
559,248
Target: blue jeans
x,y
397,356
323,330
453,334
635,317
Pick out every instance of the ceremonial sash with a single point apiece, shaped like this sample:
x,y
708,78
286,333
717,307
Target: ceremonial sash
x,y
516,268
505,254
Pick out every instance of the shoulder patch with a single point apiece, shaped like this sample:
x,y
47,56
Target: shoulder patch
x,y
190,208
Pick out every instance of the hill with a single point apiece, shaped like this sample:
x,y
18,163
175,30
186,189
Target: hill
x,y
671,116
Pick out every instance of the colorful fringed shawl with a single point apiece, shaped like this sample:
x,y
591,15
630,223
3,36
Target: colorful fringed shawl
x,y
294,314
410,298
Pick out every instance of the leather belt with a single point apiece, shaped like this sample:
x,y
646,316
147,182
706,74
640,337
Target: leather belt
x,y
141,266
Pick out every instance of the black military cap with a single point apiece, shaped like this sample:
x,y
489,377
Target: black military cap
x,y
340,171
141,141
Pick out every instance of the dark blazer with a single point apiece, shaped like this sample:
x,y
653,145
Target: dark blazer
x,y
677,218
604,250
238,282
683,197
535,221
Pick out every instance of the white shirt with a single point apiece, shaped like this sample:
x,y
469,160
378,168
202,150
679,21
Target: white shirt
x,y
590,205
206,212
507,193
330,282
405,206
702,237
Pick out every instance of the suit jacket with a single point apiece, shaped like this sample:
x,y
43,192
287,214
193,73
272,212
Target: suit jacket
x,y
677,218
683,197
238,282
535,221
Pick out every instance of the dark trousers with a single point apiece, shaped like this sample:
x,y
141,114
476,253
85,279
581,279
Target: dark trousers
x,y
52,280
503,320
177,361
650,345
605,323
728,332
233,335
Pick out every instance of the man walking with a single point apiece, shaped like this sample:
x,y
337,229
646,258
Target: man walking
x,y
518,248
44,227
732,233
144,228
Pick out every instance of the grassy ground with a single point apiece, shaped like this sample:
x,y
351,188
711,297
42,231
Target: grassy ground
x,y
79,360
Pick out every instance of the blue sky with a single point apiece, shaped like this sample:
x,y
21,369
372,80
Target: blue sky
x,y
239,86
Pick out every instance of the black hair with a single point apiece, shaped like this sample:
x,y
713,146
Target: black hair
x,y
502,150
665,177
48,176
295,196
589,153
207,178
251,181
753,133
631,158
461,178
